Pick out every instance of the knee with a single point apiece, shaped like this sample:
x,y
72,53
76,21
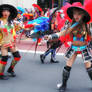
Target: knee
x,y
66,72
67,68
4,60
16,56
88,64
89,70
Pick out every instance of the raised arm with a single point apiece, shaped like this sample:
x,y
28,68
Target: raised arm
x,y
61,33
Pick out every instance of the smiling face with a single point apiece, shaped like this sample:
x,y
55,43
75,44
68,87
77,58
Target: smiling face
x,y
77,15
5,13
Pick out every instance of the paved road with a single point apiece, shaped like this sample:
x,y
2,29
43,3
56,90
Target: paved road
x,y
32,76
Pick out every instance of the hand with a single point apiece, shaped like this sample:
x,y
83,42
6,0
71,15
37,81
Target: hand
x,y
47,37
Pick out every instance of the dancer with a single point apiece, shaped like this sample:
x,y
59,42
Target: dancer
x,y
8,39
80,35
52,46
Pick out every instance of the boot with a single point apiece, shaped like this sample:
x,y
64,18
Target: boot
x,y
11,69
89,70
42,57
53,54
65,76
53,61
11,72
4,77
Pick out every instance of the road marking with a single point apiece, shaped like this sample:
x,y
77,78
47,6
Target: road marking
x,y
41,52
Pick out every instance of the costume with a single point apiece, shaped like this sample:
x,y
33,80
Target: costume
x,y
8,41
84,50
52,49
79,33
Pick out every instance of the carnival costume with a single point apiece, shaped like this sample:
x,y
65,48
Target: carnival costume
x,y
51,49
8,40
82,35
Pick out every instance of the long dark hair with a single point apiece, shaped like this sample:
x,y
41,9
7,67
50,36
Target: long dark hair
x,y
9,20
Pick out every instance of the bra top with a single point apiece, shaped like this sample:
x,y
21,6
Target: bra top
x,y
78,39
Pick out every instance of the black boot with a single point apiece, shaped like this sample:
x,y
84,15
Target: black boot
x,y
65,76
11,72
54,61
3,77
89,70
42,57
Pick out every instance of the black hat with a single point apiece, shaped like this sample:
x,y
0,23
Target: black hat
x,y
86,17
12,9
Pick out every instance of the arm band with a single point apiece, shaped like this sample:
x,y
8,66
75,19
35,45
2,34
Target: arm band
x,y
54,36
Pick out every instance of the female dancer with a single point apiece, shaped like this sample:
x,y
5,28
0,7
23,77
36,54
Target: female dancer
x,y
80,35
7,39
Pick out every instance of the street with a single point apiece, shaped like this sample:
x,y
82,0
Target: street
x,y
32,76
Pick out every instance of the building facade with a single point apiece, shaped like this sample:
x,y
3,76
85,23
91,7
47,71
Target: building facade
x,y
42,3
55,3
22,3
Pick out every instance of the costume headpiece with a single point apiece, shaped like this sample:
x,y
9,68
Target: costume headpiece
x,y
10,8
79,7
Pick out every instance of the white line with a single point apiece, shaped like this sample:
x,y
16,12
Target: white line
x,y
40,52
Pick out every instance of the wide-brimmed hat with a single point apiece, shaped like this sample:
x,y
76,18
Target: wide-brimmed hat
x,y
86,17
12,9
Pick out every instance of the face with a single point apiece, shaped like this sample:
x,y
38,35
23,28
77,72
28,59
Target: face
x,y
77,15
6,14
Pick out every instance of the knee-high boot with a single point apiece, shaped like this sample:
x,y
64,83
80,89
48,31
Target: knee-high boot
x,y
89,70
65,77
42,56
17,58
3,63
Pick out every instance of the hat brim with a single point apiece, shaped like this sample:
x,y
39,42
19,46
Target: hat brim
x,y
12,9
86,16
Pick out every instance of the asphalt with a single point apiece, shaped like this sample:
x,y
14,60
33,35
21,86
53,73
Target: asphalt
x,y
32,76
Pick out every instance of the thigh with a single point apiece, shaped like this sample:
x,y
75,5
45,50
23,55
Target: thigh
x,y
88,64
13,49
87,57
4,51
71,60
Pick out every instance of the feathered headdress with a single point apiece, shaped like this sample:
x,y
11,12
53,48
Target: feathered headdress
x,y
37,6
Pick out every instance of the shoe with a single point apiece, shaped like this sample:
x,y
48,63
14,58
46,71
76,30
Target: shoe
x,y
54,61
65,76
4,77
62,88
42,57
11,73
